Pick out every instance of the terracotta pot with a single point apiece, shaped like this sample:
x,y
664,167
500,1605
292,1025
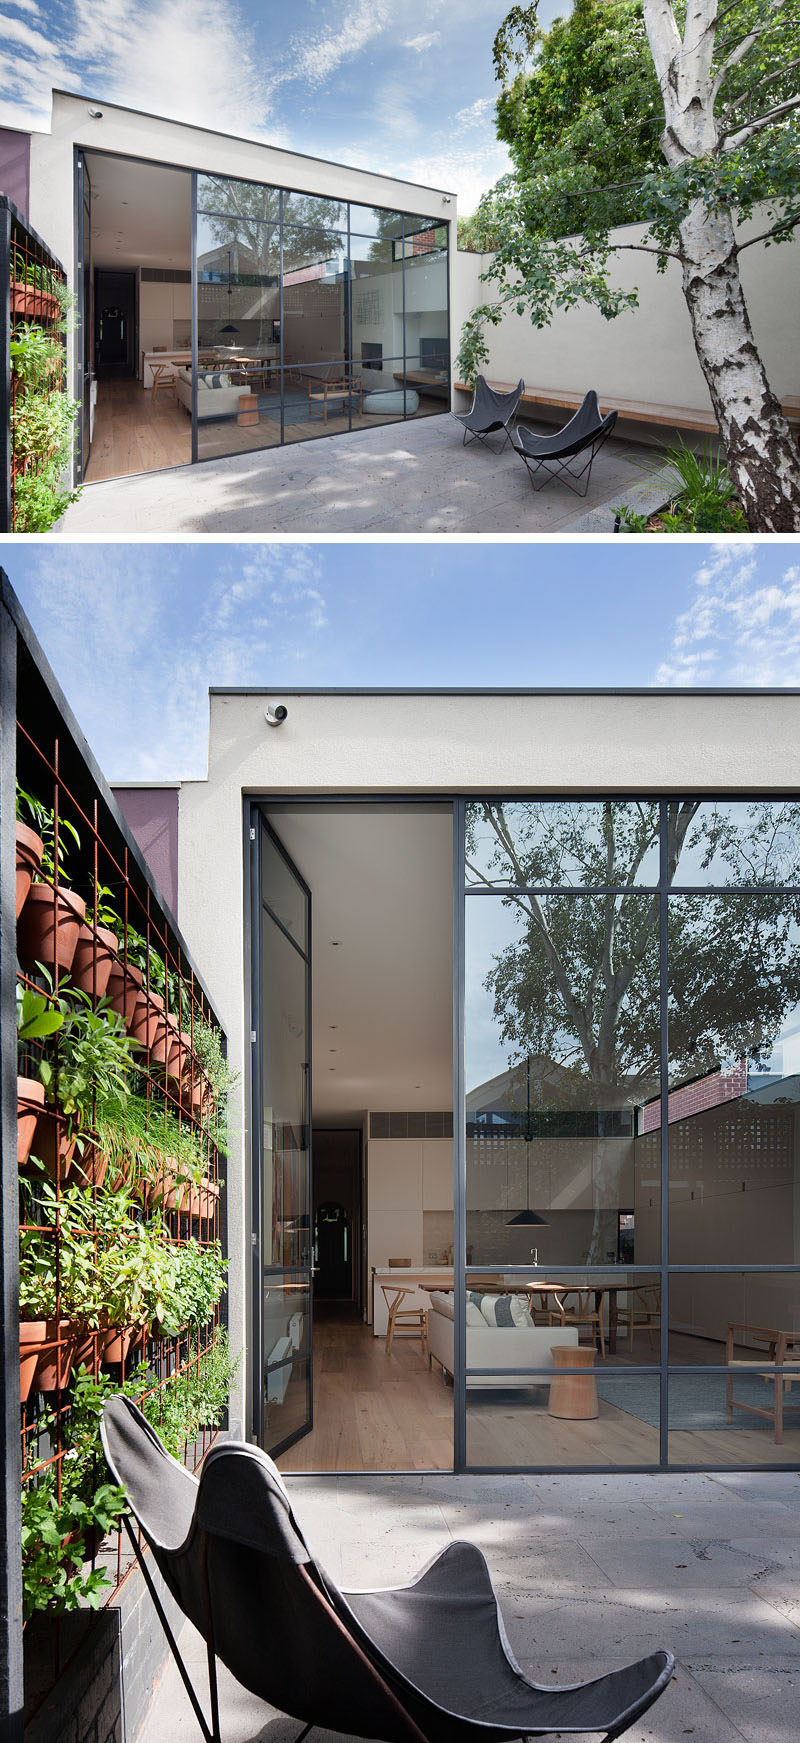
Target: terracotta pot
x,y
91,1167
205,1199
29,859
148,1015
48,927
114,1344
166,1042
124,988
55,1146
32,1335
85,1349
55,1360
30,1104
36,304
91,969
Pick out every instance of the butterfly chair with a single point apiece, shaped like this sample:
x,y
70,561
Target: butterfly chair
x,y
489,411
586,432
428,1662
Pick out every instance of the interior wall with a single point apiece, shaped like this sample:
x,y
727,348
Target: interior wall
x,y
406,1178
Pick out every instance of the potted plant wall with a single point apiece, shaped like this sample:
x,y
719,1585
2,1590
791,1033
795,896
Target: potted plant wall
x,y
30,846
62,1532
97,949
34,289
92,1067
42,414
50,920
36,1021
57,1285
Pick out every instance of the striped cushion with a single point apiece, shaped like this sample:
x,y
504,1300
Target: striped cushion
x,y
509,1310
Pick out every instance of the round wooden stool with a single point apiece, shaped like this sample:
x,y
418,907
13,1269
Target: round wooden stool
x,y
573,1393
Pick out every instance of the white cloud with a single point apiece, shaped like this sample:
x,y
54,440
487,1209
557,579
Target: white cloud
x,y
136,640
313,60
419,43
181,58
736,629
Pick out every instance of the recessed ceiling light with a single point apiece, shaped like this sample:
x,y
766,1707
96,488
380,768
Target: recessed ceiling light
x,y
336,942
333,1049
333,1025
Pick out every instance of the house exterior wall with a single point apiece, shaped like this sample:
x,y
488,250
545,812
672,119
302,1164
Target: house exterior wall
x,y
15,167
647,353
437,744
151,814
157,140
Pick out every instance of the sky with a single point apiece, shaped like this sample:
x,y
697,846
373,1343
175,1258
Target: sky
x,y
136,633
400,86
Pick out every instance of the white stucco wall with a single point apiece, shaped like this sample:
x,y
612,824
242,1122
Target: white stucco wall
x,y
124,131
646,353
648,742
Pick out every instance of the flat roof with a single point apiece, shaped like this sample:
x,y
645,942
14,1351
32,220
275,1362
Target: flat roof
x,y
514,690
245,139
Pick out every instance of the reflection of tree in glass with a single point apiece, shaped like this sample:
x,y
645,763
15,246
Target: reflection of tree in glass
x,y
579,984
246,220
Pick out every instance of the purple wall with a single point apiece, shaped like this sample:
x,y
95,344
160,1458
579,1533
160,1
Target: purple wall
x,y
151,814
15,168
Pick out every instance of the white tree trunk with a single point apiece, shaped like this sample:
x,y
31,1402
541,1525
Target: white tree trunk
x,y
763,460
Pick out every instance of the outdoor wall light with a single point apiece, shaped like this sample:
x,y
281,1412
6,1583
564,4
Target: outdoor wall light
x,y
275,716
95,114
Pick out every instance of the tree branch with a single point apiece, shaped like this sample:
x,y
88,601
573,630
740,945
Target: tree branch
x,y
742,49
639,248
731,141
786,224
768,79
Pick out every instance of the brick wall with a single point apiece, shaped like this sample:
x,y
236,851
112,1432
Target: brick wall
x,y
696,1098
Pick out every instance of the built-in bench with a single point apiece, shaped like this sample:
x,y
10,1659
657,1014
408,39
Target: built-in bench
x,y
672,417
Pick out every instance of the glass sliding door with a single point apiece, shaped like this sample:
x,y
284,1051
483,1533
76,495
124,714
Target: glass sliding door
x,y
282,1185
314,316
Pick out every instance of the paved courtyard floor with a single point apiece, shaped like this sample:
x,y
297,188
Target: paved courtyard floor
x,y
591,1572
415,477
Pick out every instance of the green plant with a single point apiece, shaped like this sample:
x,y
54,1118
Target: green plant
x,y
473,352
41,498
57,1260
43,426
199,1282
41,818
95,1057
36,1016
194,1399
54,1545
221,1077
59,1534
33,273
36,357
706,504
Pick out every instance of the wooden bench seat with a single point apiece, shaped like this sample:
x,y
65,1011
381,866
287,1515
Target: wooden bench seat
x,y
639,411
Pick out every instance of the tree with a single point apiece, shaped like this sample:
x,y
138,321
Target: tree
x,y
729,143
244,219
576,988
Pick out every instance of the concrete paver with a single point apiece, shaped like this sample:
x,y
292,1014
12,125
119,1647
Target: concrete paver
x,y
417,477
591,1572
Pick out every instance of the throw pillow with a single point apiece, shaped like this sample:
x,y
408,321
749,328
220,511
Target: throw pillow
x,y
442,1303
474,1315
508,1310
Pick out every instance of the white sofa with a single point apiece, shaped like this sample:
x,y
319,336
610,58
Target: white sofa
x,y
212,401
509,1348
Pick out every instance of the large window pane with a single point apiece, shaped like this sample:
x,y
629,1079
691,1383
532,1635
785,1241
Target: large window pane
x,y
592,843
578,1418
285,1235
426,321
377,313
733,1316
315,211
238,202
562,1054
744,1418
734,1104
238,331
735,842
613,1314
314,298
376,221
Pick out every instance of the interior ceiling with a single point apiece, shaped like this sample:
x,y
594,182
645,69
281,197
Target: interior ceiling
x,y
141,213
381,883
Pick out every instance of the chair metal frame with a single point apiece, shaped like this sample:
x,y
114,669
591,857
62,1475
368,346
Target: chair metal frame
x,y
557,466
498,423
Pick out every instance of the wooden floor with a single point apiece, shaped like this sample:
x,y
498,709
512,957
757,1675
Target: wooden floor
x,y
374,1412
132,434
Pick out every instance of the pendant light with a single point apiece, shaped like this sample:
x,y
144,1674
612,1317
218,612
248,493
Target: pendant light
x,y
527,1218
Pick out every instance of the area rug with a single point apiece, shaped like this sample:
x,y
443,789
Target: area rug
x,y
696,1401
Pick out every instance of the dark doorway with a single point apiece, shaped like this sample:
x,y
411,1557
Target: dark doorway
x,y
115,323
337,1214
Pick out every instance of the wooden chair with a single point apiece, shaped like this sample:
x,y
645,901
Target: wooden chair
x,y
164,380
413,1320
585,1309
781,1346
640,1307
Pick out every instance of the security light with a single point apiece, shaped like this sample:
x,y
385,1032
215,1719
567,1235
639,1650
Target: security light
x,y
275,716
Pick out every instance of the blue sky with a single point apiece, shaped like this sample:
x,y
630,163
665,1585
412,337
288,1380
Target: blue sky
x,y
137,633
402,86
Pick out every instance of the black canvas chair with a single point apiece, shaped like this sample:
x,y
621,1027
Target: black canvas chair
x,y
428,1662
489,411
585,433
